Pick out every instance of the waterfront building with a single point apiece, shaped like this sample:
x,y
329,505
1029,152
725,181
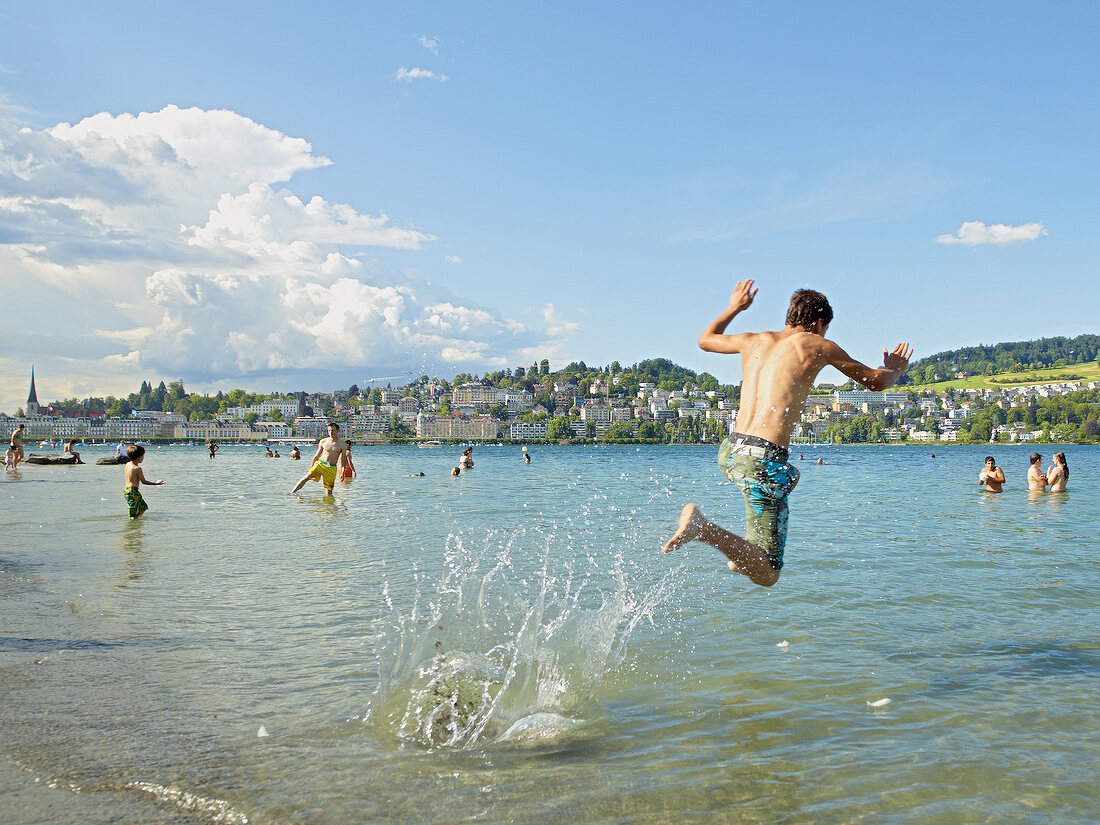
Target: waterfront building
x,y
480,427
524,430
273,429
311,426
214,430
289,408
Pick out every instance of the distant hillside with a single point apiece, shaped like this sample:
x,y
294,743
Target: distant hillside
x,y
1017,356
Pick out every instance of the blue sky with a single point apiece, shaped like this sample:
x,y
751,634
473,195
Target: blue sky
x,y
302,196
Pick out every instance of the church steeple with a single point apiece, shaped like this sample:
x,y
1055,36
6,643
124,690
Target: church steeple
x,y
32,398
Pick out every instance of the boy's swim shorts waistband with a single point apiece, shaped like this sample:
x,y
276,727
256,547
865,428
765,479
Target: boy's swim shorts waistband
x,y
757,446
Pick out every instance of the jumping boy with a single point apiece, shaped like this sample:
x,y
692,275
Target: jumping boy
x,y
779,369
135,477
328,454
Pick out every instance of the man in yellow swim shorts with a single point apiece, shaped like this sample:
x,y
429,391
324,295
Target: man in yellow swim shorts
x,y
323,467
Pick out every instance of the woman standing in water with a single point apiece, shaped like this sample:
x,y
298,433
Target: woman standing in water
x,y
1058,475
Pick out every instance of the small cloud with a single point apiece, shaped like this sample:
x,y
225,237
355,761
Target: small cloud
x,y
429,43
556,326
452,259
409,75
975,233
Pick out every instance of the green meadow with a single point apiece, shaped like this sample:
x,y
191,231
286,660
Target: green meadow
x,y
1074,372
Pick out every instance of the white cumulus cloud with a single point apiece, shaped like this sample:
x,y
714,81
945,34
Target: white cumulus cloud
x,y
170,246
976,233
406,75
429,43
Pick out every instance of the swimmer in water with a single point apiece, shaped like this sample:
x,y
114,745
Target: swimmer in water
x,y
1058,475
346,470
778,369
1036,478
991,476
323,467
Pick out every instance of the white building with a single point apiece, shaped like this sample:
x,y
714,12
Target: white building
x,y
524,430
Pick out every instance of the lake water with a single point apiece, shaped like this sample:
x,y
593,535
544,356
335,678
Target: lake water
x,y
508,645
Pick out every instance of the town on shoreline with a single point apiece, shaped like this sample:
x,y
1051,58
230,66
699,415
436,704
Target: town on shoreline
x,y
654,402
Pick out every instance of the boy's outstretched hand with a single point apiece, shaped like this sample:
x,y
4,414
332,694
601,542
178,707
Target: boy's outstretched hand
x,y
897,360
742,295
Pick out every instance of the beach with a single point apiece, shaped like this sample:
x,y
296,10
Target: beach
x,y
508,645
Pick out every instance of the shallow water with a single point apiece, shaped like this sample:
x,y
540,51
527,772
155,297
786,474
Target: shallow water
x,y
508,645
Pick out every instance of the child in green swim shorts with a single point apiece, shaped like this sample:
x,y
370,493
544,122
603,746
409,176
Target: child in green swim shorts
x,y
135,477
779,369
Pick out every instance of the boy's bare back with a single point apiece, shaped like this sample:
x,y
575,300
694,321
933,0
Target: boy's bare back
x,y
779,368
133,474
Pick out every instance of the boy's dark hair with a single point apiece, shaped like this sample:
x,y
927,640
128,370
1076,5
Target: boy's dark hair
x,y
135,451
1035,457
989,458
333,424
807,307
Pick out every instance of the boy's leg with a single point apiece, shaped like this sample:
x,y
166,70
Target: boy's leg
x,y
744,556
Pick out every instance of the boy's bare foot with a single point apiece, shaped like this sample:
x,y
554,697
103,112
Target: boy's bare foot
x,y
691,526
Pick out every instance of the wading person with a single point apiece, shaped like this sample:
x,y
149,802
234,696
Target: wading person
x,y
1058,475
991,476
1036,478
16,446
328,455
135,477
778,369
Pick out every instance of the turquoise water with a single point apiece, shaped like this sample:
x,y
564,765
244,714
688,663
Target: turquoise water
x,y
508,645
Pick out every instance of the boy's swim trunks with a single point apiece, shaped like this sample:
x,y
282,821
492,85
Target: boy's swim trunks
x,y
134,501
324,472
760,469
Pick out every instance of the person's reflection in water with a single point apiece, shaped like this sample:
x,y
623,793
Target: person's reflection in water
x,y
134,564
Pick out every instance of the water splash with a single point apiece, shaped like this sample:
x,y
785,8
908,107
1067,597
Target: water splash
x,y
507,645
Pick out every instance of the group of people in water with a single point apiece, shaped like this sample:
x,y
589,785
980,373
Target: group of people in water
x,y
778,371
333,461
16,454
1055,478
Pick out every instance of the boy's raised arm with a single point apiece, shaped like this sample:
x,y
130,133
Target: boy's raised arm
x,y
713,338
894,364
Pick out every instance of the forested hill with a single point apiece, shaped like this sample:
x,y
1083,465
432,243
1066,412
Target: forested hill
x,y
1016,356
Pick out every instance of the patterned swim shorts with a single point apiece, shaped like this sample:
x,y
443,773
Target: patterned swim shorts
x,y
760,470
134,501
